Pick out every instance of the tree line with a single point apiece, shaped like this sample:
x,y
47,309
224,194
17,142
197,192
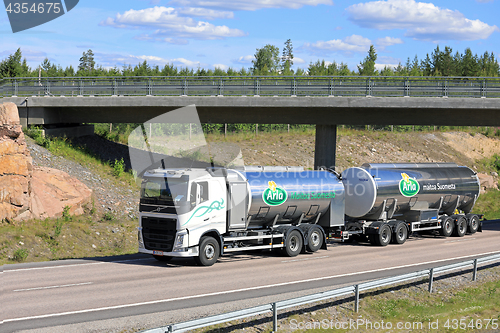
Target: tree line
x,y
269,62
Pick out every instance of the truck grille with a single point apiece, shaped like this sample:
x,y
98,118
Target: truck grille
x,y
159,233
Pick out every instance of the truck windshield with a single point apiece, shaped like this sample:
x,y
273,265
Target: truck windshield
x,y
163,190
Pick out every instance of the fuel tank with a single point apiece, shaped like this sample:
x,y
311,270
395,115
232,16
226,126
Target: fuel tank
x,y
395,188
288,196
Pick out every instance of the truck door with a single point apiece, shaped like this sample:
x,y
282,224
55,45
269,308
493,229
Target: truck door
x,y
238,205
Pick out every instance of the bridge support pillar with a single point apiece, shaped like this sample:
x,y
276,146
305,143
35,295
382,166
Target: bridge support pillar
x,y
326,146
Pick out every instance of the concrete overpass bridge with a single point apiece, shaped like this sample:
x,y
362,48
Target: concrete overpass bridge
x,y
323,101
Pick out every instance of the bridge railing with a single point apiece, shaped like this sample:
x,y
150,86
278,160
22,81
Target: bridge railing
x,y
320,86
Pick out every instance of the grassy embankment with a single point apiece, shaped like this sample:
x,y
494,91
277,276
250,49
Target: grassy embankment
x,y
96,233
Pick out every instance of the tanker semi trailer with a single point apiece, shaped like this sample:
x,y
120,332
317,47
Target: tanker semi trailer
x,y
205,213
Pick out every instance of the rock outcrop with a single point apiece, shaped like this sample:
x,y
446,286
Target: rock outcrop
x,y
16,168
487,181
28,192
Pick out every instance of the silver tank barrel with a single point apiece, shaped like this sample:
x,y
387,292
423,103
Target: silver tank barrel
x,y
431,185
291,194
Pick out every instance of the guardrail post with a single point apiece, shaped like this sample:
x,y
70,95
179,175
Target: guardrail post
x,y
368,87
483,89
431,279
445,88
256,89
294,87
407,88
275,317
184,87
221,87
80,88
331,88
356,298
150,87
115,87
474,274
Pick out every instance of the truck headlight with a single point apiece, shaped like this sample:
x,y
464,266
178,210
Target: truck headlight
x,y
181,241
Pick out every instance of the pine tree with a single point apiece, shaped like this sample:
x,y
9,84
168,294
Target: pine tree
x,y
367,67
287,58
87,62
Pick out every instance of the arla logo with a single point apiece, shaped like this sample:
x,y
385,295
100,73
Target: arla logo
x,y
274,196
408,186
27,14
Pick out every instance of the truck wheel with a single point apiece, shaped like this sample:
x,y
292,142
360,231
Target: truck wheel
x,y
384,236
461,226
293,243
400,234
446,227
162,258
314,239
209,252
473,223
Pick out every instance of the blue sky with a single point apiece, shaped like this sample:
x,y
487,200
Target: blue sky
x,y
226,33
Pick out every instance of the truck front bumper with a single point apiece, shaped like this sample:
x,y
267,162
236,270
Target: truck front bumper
x,y
190,252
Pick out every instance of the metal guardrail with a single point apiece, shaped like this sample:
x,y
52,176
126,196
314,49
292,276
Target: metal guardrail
x,y
345,291
378,86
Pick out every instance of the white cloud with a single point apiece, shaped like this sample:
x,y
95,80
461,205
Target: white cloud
x,y
380,67
422,21
221,66
382,43
297,61
251,5
245,59
354,43
209,14
119,59
169,25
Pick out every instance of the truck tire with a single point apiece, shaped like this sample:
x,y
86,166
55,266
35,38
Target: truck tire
x,y
209,252
446,227
384,236
314,239
460,227
294,243
400,234
162,258
473,225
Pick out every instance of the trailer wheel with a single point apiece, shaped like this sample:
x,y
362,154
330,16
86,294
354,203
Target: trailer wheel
x,y
461,226
473,223
314,239
446,227
162,258
294,243
400,234
384,236
209,252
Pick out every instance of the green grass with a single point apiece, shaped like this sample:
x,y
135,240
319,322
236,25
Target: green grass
x,y
67,237
488,204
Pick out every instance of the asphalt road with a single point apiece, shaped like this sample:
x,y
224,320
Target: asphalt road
x,y
45,295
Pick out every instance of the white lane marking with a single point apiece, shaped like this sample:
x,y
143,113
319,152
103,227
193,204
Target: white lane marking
x,y
235,290
52,287
293,260
73,265
459,240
